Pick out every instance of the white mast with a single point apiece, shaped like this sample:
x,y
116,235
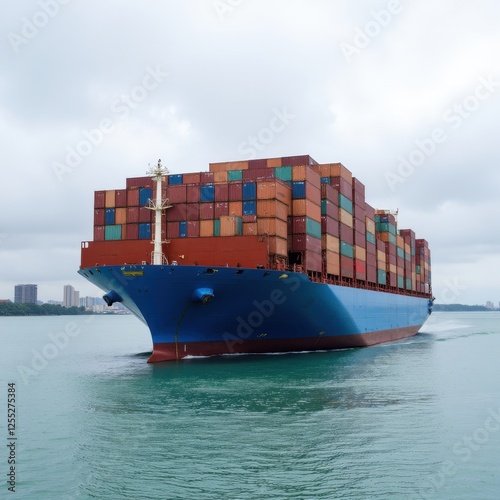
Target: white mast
x,y
157,173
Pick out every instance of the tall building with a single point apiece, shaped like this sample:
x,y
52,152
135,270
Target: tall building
x,y
71,297
25,294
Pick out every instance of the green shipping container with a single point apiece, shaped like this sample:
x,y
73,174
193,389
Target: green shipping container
x,y
417,269
400,252
401,283
408,283
381,277
370,238
346,249
383,227
345,203
283,173
217,227
113,232
235,175
313,228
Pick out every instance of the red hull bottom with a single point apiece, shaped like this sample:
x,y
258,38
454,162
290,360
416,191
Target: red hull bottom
x,y
170,351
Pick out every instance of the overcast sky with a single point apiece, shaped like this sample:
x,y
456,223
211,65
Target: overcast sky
x,y
405,94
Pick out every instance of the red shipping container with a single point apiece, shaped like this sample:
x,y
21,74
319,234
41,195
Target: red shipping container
x,y
99,217
192,178
358,186
370,211
177,193
257,164
121,198
371,249
249,218
132,232
207,177
206,211
359,239
346,233
133,197
144,214
98,233
258,174
329,193
193,229
359,212
132,214
221,192
172,229
359,225
298,160
235,191
177,212
346,267
332,209
139,182
99,199
193,193
298,225
343,186
221,209
304,242
329,226
313,261
371,273
192,211
358,199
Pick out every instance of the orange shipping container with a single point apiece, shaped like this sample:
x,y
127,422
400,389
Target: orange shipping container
x,y
278,246
272,208
120,216
330,243
272,227
110,198
206,228
335,170
273,162
306,208
230,226
220,176
249,228
235,208
274,190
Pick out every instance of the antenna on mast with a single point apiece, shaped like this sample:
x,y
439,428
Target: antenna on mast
x,y
158,205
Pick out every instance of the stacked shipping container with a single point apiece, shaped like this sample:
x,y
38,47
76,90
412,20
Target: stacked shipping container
x,y
310,215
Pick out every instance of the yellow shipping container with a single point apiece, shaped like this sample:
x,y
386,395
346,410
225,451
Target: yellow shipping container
x,y
345,217
332,263
370,225
330,243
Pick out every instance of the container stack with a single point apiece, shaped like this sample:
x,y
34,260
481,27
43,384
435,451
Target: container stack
x,y
309,214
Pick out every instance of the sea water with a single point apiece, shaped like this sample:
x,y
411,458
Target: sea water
x,y
418,418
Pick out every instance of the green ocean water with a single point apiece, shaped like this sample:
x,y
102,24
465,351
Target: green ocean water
x,y
418,418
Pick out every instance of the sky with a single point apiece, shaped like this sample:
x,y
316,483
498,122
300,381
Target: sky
x,y
405,94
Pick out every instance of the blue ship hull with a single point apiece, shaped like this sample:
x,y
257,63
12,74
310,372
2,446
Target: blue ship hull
x,y
200,311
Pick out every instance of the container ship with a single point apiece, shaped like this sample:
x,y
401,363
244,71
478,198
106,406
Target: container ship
x,y
260,256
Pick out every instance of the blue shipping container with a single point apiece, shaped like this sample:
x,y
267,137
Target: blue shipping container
x,y
175,179
249,208
249,191
144,231
325,180
110,216
207,193
144,196
183,229
298,189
